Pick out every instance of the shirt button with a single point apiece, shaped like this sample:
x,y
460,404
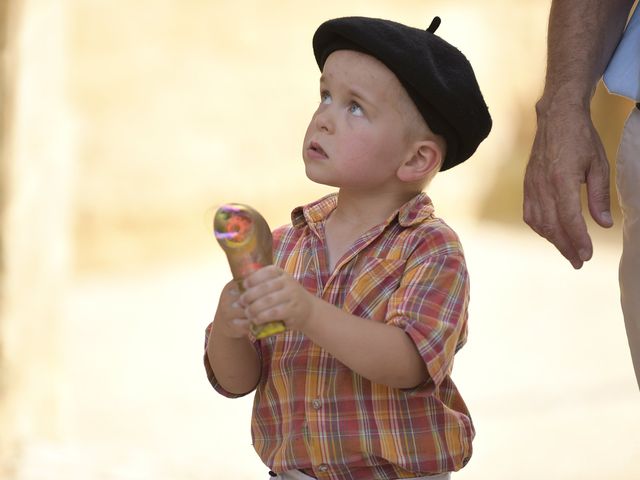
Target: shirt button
x,y
316,404
323,467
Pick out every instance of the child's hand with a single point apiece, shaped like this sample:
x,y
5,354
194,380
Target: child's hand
x,y
271,294
230,319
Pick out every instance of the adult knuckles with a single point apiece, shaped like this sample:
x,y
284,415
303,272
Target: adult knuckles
x,y
542,228
561,180
547,230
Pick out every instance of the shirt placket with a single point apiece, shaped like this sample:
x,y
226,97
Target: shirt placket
x,y
325,448
316,449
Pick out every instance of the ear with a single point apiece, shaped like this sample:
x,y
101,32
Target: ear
x,y
425,158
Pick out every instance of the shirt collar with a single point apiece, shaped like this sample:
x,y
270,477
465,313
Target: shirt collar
x,y
416,210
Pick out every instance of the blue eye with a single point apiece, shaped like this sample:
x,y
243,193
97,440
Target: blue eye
x,y
356,109
325,97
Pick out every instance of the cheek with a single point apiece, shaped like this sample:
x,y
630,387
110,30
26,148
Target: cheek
x,y
361,142
370,147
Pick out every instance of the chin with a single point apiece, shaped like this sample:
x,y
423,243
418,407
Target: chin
x,y
319,179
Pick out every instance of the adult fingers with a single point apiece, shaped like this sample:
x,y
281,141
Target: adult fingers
x,y
545,211
553,230
598,192
569,212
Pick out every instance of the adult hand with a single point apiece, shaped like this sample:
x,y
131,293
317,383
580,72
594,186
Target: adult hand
x,y
567,152
271,295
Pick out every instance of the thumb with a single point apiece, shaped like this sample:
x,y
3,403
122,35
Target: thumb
x,y
598,193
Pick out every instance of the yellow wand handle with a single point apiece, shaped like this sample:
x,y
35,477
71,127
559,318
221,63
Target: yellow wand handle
x,y
246,239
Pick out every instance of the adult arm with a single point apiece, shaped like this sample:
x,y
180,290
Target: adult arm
x,y
567,151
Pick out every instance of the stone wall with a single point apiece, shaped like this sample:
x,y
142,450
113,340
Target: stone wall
x,y
7,432
35,220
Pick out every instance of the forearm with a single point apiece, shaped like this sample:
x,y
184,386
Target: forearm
x,y
234,361
582,37
381,353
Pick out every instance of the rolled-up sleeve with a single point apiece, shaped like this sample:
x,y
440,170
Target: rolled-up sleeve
x,y
430,305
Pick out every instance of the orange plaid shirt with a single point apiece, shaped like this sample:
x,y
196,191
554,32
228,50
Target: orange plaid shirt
x,y
314,414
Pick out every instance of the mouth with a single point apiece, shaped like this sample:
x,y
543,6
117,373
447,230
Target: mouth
x,y
317,149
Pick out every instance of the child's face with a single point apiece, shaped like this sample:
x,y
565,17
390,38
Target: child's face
x,y
358,137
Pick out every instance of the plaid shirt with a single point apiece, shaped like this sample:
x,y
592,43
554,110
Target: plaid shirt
x,y
314,414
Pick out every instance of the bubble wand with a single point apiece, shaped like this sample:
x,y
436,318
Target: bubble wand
x,y
246,239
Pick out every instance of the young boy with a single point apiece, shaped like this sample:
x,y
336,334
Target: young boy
x,y
372,287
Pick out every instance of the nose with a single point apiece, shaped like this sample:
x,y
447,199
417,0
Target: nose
x,y
324,120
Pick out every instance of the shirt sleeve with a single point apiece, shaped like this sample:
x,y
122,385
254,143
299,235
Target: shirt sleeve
x,y
431,305
211,376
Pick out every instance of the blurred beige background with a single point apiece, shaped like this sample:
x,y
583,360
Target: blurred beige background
x,y
125,123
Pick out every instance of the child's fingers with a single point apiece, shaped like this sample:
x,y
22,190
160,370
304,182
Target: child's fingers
x,y
238,328
236,311
263,297
262,275
240,324
260,290
263,309
231,290
269,314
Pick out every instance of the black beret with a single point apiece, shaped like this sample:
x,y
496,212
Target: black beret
x,y
437,76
